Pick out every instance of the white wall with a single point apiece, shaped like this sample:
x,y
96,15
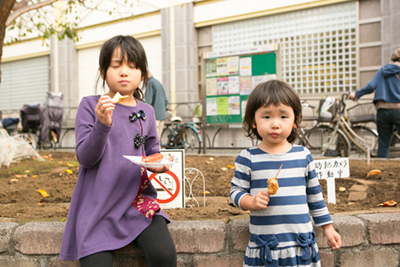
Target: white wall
x,y
153,47
24,50
88,65
138,26
215,10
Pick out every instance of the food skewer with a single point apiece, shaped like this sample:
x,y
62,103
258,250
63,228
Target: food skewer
x,y
276,176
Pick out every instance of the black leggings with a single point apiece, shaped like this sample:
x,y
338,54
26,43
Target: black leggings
x,y
155,242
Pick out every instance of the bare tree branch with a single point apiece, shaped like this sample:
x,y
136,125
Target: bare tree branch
x,y
20,4
26,8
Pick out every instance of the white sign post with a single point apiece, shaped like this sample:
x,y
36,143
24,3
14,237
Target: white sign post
x,y
170,185
369,140
330,169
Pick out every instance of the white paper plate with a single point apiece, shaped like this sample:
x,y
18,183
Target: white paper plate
x,y
138,160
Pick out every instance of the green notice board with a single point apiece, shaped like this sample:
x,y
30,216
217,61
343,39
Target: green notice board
x,y
230,79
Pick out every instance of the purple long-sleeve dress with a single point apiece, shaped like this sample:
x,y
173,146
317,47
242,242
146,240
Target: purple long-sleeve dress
x,y
101,215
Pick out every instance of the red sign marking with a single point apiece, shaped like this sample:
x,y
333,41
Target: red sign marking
x,y
172,194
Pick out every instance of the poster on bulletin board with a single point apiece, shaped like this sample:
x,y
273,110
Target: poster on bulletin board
x,y
231,76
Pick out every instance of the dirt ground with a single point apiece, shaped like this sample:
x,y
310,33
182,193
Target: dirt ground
x,y
21,202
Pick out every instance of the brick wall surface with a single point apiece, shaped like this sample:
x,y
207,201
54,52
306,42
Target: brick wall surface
x,y
368,240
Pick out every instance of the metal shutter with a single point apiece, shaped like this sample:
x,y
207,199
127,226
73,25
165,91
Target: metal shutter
x,y
24,82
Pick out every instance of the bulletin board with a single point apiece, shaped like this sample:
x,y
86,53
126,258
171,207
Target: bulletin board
x,y
231,76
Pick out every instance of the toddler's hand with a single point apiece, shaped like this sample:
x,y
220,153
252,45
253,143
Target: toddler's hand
x,y
334,239
104,109
260,201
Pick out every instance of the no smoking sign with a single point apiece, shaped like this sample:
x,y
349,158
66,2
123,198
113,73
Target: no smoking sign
x,y
167,185
170,185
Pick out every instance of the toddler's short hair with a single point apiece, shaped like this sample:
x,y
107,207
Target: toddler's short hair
x,y
273,92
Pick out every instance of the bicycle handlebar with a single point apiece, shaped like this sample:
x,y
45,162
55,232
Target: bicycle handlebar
x,y
304,104
344,97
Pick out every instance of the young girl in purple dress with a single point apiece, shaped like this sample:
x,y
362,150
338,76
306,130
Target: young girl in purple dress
x,y
114,203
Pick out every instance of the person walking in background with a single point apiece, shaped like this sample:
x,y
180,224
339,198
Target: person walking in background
x,y
386,85
281,231
114,202
155,96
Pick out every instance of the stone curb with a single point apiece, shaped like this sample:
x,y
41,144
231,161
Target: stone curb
x,y
368,240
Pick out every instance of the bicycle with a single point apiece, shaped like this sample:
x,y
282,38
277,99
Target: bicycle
x,y
336,136
182,135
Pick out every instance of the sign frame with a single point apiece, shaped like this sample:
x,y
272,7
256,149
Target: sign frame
x,y
232,103
177,172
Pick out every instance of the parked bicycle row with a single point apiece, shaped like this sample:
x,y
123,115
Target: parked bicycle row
x,y
330,130
338,131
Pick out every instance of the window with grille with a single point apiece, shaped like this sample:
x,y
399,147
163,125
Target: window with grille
x,y
318,45
24,81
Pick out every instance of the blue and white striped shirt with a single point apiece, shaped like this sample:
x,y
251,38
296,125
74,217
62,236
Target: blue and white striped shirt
x,y
282,234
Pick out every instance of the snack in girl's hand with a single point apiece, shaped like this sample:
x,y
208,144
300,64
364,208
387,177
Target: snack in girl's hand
x,y
272,185
118,97
156,158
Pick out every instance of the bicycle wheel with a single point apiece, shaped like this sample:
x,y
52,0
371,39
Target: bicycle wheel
x,y
165,135
315,139
363,132
191,141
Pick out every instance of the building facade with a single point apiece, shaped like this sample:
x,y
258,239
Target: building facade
x,y
327,48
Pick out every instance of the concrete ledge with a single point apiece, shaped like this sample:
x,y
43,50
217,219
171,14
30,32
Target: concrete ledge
x,y
368,240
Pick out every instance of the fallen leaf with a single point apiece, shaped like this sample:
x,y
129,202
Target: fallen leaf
x,y
171,214
389,203
373,172
40,203
206,193
27,171
20,175
350,203
69,171
43,193
211,158
341,189
34,176
14,180
224,168
230,166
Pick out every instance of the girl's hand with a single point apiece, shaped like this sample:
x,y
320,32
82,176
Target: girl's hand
x,y
334,239
260,201
164,168
104,109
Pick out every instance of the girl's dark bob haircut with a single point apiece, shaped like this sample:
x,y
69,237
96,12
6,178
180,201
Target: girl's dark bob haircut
x,y
272,92
132,51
